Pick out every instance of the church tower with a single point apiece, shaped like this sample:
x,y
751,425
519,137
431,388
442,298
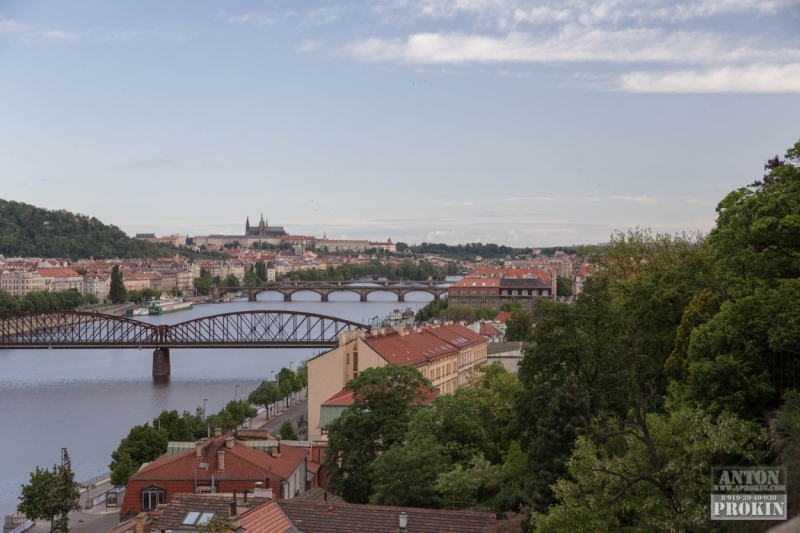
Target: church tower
x,y
262,226
247,226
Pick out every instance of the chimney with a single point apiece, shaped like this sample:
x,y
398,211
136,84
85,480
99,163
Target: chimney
x,y
234,493
229,442
233,508
403,522
244,492
553,283
217,432
199,445
220,460
330,509
141,520
325,495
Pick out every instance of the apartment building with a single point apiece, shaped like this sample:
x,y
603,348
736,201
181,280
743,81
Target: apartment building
x,y
21,282
445,355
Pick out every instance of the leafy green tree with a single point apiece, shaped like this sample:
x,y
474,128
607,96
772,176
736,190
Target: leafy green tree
x,y
51,495
9,305
511,307
432,309
485,313
265,394
124,470
230,281
302,375
287,431
143,445
416,463
204,282
461,312
567,416
178,428
563,286
652,477
519,327
116,291
29,231
468,485
217,525
384,401
232,415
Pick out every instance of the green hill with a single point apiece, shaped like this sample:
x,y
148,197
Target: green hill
x,y
30,231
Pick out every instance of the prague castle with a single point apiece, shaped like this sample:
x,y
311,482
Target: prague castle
x,y
276,235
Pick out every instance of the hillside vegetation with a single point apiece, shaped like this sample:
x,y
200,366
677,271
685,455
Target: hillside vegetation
x,y
30,231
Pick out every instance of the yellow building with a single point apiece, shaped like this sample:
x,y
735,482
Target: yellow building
x,y
442,354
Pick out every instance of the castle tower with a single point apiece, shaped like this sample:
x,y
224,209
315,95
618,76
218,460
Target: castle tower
x,y
247,226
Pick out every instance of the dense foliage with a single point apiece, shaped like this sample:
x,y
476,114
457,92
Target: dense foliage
x,y
29,231
408,270
486,251
679,355
67,300
51,495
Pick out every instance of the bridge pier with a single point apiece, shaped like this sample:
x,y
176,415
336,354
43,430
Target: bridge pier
x,y
161,365
287,297
401,297
436,296
251,296
363,297
324,297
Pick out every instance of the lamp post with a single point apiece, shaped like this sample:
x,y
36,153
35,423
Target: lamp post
x,y
290,364
204,408
236,394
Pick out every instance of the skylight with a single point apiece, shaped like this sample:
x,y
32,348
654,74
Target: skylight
x,y
191,518
205,518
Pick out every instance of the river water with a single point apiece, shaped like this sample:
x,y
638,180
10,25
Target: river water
x,y
87,400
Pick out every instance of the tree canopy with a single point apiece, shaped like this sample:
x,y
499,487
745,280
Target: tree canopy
x,y
30,231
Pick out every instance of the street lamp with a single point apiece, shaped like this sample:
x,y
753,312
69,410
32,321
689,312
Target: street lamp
x,y
290,364
236,394
204,408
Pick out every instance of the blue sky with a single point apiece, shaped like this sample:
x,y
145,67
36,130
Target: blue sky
x,y
519,122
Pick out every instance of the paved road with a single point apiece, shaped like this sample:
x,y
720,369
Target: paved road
x,y
293,413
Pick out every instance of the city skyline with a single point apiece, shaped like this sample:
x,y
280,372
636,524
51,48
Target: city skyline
x,y
520,123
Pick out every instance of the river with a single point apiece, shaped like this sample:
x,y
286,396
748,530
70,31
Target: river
x,y
87,400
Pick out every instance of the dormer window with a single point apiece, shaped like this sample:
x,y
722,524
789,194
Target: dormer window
x,y
152,496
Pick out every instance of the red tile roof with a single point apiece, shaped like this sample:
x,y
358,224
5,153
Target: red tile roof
x,y
267,518
476,282
512,273
502,317
488,329
345,397
333,517
425,344
241,462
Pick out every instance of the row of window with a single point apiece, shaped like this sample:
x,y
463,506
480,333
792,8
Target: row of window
x,y
514,292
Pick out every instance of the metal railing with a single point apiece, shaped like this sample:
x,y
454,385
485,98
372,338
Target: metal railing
x,y
89,483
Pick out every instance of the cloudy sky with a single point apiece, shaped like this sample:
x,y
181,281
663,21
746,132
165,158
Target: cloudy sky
x,y
521,122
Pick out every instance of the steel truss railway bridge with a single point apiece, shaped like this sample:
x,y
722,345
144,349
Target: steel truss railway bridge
x,y
247,329
324,288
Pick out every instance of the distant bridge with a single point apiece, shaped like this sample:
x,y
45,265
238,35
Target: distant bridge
x,y
247,329
325,288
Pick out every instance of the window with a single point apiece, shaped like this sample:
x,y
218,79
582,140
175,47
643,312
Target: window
x,y
463,293
474,293
483,293
483,300
514,293
152,496
494,293
544,293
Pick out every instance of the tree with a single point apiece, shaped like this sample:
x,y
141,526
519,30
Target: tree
x,y
519,327
9,305
51,495
232,415
178,428
287,431
204,282
217,525
563,287
384,400
230,281
143,445
265,394
461,312
485,313
417,464
470,484
567,416
116,291
651,477
123,471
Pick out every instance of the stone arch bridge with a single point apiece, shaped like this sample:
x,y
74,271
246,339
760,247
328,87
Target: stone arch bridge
x,y
325,288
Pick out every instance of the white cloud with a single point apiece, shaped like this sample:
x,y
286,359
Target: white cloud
x,y
59,35
308,46
730,79
10,26
254,19
572,44
639,199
